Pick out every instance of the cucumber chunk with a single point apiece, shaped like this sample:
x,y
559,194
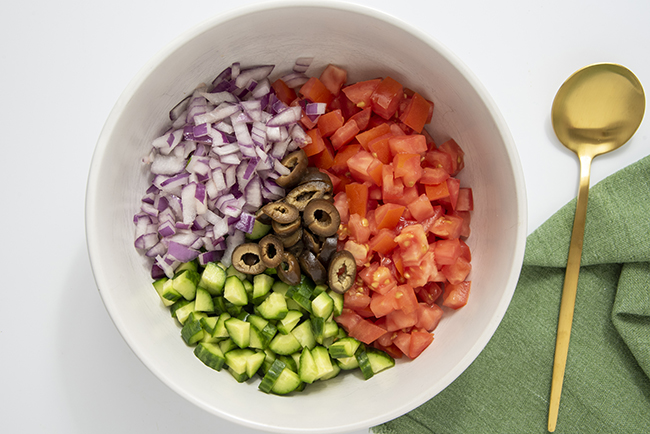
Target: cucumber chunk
x,y
322,361
379,360
231,271
288,323
336,369
234,291
308,371
262,284
286,383
238,361
347,363
185,283
364,362
183,310
304,334
259,230
338,302
285,344
166,291
272,375
211,355
273,307
322,306
344,348
192,332
213,278
239,331
203,301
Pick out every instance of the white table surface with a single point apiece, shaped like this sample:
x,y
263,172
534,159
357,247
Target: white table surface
x,y
64,368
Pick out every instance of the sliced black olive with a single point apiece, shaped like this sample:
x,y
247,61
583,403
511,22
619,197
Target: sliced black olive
x,y
314,174
292,238
271,250
281,212
312,267
305,193
247,259
283,229
342,271
297,162
296,249
262,217
328,248
321,217
312,243
289,269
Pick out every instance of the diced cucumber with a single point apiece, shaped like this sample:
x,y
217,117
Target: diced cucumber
x,y
266,328
220,331
290,361
288,323
364,362
286,383
379,360
317,326
336,369
238,361
219,304
192,265
280,287
213,278
227,345
192,332
210,354
322,361
185,282
259,230
304,334
209,324
166,291
203,301
347,363
344,348
231,271
248,286
254,363
257,339
323,305
330,329
262,284
239,331
338,302
307,370
317,290
284,344
272,375
183,311
268,361
234,291
302,296
274,307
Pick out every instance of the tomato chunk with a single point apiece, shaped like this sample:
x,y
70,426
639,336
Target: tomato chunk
x,y
360,93
386,98
333,78
315,91
456,295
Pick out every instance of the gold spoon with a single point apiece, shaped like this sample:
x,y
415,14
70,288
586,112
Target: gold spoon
x,y
597,110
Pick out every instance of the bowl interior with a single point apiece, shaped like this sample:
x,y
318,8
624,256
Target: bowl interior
x,y
368,44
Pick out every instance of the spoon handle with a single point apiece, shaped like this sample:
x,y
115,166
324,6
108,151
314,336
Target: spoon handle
x,y
569,291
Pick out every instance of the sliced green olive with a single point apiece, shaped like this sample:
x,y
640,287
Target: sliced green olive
x,y
271,250
281,212
311,266
342,271
297,162
289,269
321,217
247,259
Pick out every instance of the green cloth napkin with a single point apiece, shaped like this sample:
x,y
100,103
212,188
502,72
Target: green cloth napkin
x,y
607,380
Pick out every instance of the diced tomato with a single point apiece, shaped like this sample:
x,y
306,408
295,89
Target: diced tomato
x,y
358,165
418,275
383,304
357,198
398,320
447,226
447,252
340,164
365,137
315,91
367,332
329,122
456,295
324,159
341,205
437,192
465,200
380,148
465,251
409,195
453,185
317,144
283,92
392,189
413,244
383,242
416,113
348,319
333,78
362,118
386,98
433,175
359,228
388,215
356,297
457,155
392,349
402,340
429,293
347,107
420,340
438,159
406,299
344,134
407,167
375,172
403,144
360,93
359,251
421,208
458,271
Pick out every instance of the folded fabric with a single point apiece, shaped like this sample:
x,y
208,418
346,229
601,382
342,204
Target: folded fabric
x,y
607,379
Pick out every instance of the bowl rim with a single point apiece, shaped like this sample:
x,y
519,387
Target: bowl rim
x,y
215,20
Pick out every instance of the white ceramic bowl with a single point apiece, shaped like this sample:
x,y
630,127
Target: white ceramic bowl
x,y
368,44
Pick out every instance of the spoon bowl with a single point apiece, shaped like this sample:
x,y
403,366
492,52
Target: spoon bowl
x,y
597,110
